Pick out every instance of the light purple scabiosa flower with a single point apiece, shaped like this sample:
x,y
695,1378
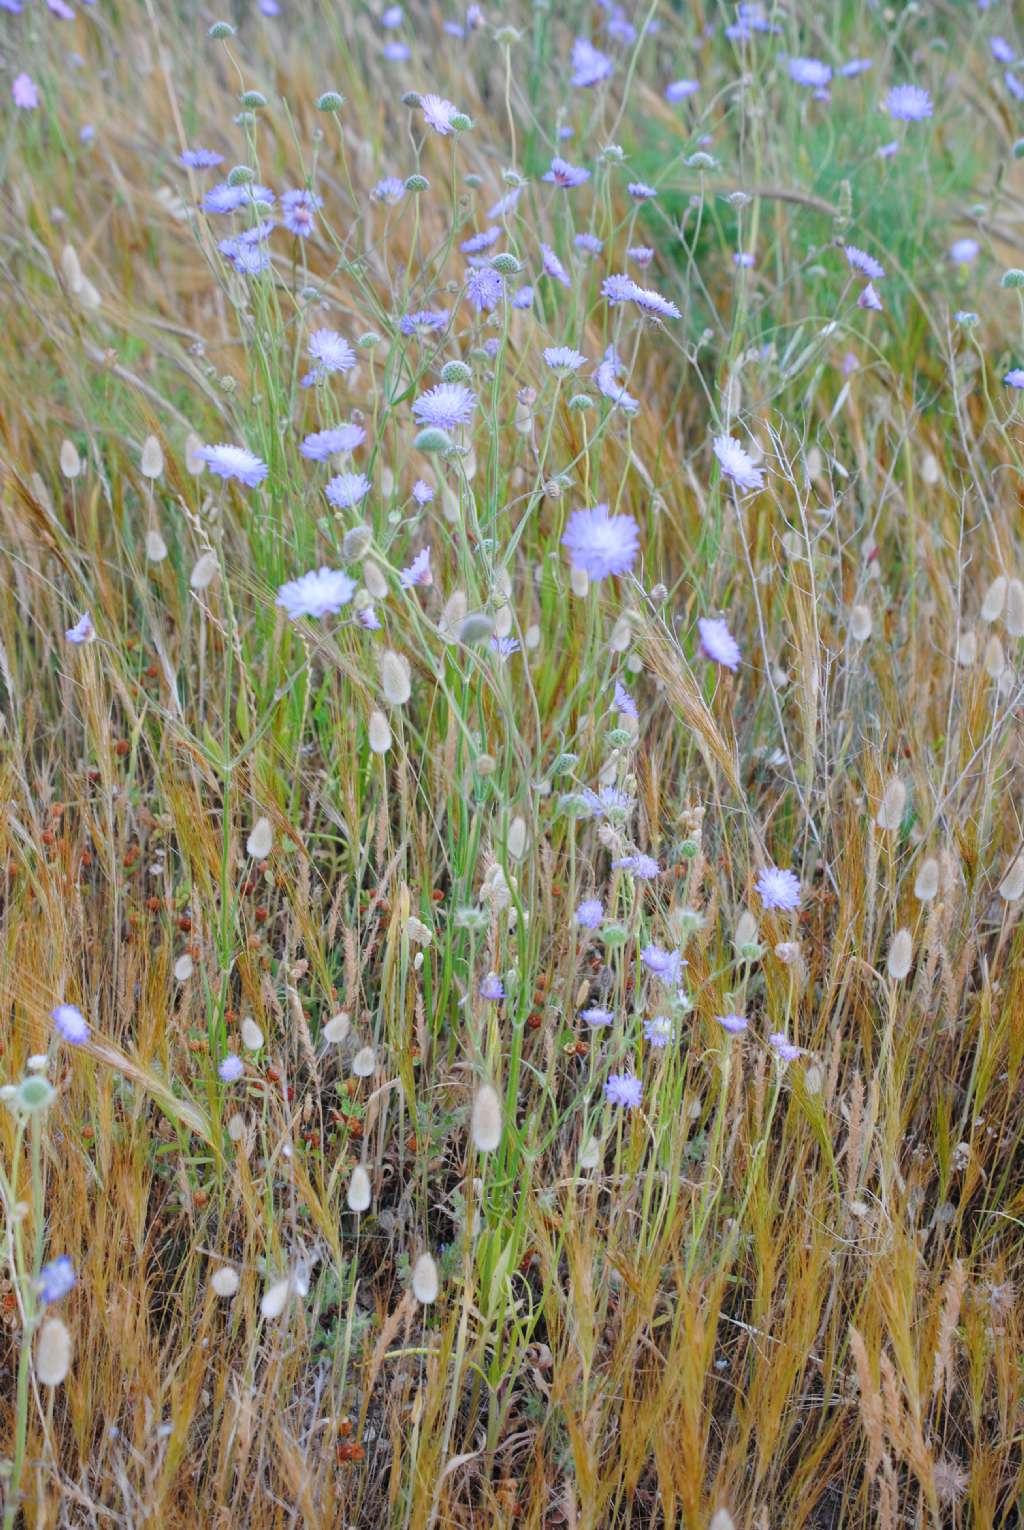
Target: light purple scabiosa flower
x,y
562,358
56,1279
231,1068
234,462
623,1089
228,199
553,266
200,159
641,255
418,572
810,71
523,298
855,66
392,17
70,1023
680,89
888,149
964,251
506,203
322,592
323,444
742,260
505,647
331,352
447,405
481,241
25,92
565,175
484,288
607,378
248,259
426,322
784,1048
389,189
589,67
624,702
908,103
600,544
438,113
659,1031
1015,378
643,867
298,211
492,988
367,617
861,261
396,52
83,631
596,1016
717,642
1014,85
589,913
422,493
610,802
667,966
621,288
737,463
640,191
1001,50
734,1024
347,489
778,888
869,299
589,244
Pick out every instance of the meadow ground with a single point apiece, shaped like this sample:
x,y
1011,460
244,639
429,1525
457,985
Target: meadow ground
x,y
510,772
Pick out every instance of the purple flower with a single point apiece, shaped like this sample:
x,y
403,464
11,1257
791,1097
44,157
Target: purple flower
x,y
321,592
426,322
418,572
331,353
480,242
396,52
589,243
610,802
504,647
1015,379
964,251
606,377
785,1049
861,261
56,1279
659,1031
717,642
439,113
588,66
667,966
389,189
743,259
908,103
298,209
392,17
640,191
621,288
447,405
565,175
323,444
523,298
810,71
69,1021
200,159
734,1024
553,266
888,149
623,1089
1001,50
492,988
643,867
680,89
236,462
869,299
422,493
231,1069
484,288
590,913
597,1016
83,631
1014,85
25,92
367,617
737,463
778,888
562,358
601,544
624,702
228,199
506,203
642,255
347,489
854,67
248,259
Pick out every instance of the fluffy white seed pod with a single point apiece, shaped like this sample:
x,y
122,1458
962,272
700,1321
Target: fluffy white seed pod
x,y
516,840
424,1280
252,1036
359,1190
860,623
590,1153
156,547
374,579
746,929
261,840
901,954
485,1122
1012,886
395,678
224,1281
419,933
337,1028
53,1353
453,615
1015,608
364,1062
70,461
926,884
891,809
995,599
70,268
995,659
183,968
579,580
722,1520
152,463
967,647
193,446
204,572
275,1298
380,732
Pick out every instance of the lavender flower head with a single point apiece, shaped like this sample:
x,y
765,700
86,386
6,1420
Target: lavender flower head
x,y
589,913
624,702
418,572
298,210
425,322
869,299
659,1031
83,631
737,463
964,251
810,71
1015,378
643,867
447,405
600,544
589,67
25,92
553,266
717,642
56,1279
200,159
562,358
70,1023
734,1024
323,444
640,191
565,175
680,89
331,353
596,1016
321,592
388,190
667,966
861,261
908,103
231,1068
492,988
234,462
484,288
438,113
778,888
784,1049
347,489
624,1090
422,493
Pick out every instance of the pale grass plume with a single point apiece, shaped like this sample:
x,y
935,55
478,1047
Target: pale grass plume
x,y
53,1353
901,955
486,1119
